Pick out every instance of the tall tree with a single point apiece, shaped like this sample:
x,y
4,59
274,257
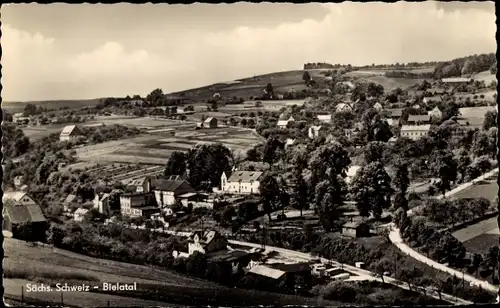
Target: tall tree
x,y
401,181
328,158
301,197
306,77
373,151
206,164
176,164
271,149
269,193
371,189
490,119
445,168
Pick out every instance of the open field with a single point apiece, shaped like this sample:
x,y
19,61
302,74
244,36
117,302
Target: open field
x,y
483,242
485,76
475,115
52,266
488,96
392,83
249,106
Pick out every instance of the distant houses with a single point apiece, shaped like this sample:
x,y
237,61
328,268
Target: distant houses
x,y
70,133
137,205
356,229
241,182
204,242
325,118
344,107
436,113
456,81
432,99
415,132
19,118
314,131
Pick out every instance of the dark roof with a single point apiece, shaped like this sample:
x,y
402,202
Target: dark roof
x,y
419,118
291,268
174,186
245,176
20,213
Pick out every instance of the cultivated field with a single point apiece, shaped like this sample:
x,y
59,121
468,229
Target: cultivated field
x,y
392,83
249,106
475,115
13,107
485,76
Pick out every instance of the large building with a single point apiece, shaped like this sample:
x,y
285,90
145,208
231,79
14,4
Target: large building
x,y
205,242
70,133
241,182
415,132
167,192
137,205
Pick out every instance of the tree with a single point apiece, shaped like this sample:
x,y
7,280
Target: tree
x,y
463,163
371,189
373,152
269,91
269,192
306,77
206,163
401,177
490,120
301,192
492,259
328,159
176,164
477,260
331,201
445,168
270,151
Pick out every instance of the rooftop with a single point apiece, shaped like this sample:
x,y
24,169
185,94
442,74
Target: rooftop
x,y
425,127
245,176
266,271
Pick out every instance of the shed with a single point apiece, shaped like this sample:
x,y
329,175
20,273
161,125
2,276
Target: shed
x,y
210,122
356,229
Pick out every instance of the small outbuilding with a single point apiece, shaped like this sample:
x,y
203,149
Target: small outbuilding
x,y
210,123
356,229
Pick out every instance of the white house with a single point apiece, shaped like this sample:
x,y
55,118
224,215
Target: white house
x,y
456,81
314,131
284,123
435,113
70,133
19,118
325,118
79,214
289,142
241,182
415,132
351,172
101,202
343,107
435,99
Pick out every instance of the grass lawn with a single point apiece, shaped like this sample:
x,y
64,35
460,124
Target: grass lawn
x,y
475,115
13,107
391,83
482,243
487,189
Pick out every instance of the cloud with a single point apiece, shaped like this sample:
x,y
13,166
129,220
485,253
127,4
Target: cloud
x,y
37,67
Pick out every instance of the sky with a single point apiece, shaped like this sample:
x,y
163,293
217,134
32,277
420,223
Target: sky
x,y
83,51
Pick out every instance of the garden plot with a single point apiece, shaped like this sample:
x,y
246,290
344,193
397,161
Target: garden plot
x,y
475,115
238,141
178,145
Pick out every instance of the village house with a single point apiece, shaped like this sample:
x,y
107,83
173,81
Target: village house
x,y
210,122
416,119
436,91
314,131
19,118
283,273
356,229
205,242
137,205
241,182
79,214
18,181
456,81
289,142
415,132
70,133
325,118
167,192
378,106
68,201
392,122
436,113
432,99
394,113
351,172
101,203
19,208
141,185
344,107
284,123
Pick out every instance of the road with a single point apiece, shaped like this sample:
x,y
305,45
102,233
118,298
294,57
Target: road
x,y
395,237
300,256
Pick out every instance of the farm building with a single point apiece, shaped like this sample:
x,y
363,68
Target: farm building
x,y
419,119
19,208
355,229
392,122
70,133
415,132
241,182
325,118
289,142
415,93
314,131
280,272
141,185
210,122
456,81
436,113
344,107
432,99
436,91
166,192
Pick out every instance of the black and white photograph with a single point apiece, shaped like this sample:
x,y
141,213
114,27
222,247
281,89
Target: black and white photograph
x,y
250,154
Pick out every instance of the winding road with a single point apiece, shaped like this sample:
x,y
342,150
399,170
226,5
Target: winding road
x,y
395,238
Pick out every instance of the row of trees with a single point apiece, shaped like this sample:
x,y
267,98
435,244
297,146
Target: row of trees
x,y
466,65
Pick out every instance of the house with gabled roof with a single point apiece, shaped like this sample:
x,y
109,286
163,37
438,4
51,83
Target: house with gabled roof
x,y
436,113
210,122
395,113
166,192
284,123
19,208
241,182
344,107
325,118
70,133
432,99
378,106
455,81
415,132
314,131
